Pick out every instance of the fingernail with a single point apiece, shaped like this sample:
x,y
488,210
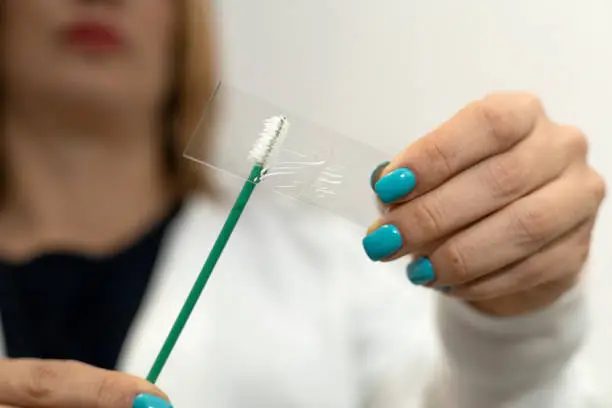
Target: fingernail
x,y
421,272
395,185
150,401
376,172
382,242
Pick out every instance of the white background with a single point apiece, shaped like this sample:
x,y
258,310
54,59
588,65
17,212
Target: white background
x,y
387,71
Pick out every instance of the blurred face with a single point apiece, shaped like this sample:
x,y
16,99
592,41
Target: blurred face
x,y
115,53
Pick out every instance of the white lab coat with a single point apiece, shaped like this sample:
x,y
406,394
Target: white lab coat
x,y
295,316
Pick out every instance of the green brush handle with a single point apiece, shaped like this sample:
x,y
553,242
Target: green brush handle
x,y
207,269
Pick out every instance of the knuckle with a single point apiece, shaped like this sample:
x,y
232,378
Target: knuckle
x,y
532,103
477,291
532,226
438,158
496,121
454,261
576,141
506,176
504,115
426,221
525,101
42,379
598,186
529,275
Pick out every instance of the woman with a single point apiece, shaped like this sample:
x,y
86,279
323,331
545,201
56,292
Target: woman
x,y
102,231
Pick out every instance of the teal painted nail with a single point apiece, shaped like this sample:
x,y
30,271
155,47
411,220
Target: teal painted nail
x,y
395,185
382,242
375,173
421,272
150,401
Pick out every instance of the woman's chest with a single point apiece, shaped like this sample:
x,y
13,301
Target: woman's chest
x,y
262,334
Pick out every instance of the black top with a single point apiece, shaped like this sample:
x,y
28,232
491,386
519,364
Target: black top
x,y
71,306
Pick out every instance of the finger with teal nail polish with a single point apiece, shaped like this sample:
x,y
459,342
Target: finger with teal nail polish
x,y
382,242
150,401
421,271
376,173
395,185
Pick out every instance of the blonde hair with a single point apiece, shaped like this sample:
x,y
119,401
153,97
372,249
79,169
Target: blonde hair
x,y
194,82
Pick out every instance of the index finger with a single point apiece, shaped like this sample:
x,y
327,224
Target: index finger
x,y
480,130
48,383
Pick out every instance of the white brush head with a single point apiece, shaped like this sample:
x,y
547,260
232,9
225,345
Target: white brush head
x,y
271,137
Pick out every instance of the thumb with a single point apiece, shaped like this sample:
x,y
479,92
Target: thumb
x,y
67,384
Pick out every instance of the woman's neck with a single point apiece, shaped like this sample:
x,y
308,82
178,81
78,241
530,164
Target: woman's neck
x,y
90,190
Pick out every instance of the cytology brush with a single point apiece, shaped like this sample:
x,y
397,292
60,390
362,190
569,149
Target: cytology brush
x,y
274,131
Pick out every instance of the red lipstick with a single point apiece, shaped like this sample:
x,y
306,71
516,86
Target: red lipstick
x,y
93,35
